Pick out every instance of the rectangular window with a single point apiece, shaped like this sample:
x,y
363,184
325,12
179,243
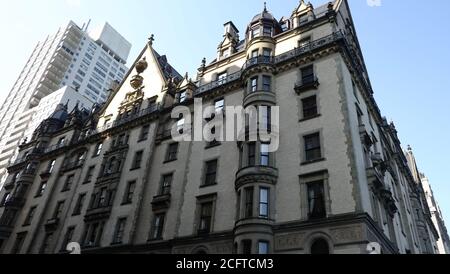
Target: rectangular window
x,y
5,199
180,125
267,83
58,210
89,174
98,149
79,205
267,52
183,96
247,247
210,173
166,183
264,157
129,193
68,237
263,247
254,84
307,75
172,152
316,200
249,202
266,112
68,183
30,216
41,189
309,107
120,229
144,133
222,78
51,166
137,160
8,217
157,227
20,238
252,154
218,105
102,197
205,217
267,31
264,202
256,32
46,243
312,147
93,234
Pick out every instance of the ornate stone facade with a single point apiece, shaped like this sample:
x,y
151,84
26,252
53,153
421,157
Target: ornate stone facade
x,y
113,179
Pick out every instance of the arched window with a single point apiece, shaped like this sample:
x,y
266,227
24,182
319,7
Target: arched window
x,y
320,247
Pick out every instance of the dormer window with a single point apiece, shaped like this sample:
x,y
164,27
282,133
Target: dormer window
x,y
256,32
285,26
303,19
183,96
267,31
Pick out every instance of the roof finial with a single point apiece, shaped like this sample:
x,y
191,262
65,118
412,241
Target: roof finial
x,y
265,6
151,39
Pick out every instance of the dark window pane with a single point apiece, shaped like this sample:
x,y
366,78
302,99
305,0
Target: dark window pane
x,y
316,200
205,217
320,247
309,107
252,154
211,172
249,202
312,147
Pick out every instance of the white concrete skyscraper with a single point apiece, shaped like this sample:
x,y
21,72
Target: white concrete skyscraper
x,y
89,62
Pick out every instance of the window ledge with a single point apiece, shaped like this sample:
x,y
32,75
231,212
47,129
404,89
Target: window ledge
x,y
142,140
310,118
160,239
169,161
135,168
313,161
208,185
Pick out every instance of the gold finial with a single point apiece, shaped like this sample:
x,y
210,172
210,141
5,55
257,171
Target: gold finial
x,y
151,39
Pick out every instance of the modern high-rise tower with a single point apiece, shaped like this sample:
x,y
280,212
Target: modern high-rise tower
x,y
89,62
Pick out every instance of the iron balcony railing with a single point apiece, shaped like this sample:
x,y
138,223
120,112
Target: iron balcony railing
x,y
217,83
313,45
260,60
271,60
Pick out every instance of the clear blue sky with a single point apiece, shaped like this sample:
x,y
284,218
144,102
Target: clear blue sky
x,y
405,43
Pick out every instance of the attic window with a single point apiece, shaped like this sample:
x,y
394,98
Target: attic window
x,y
303,19
183,96
256,32
285,25
267,31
